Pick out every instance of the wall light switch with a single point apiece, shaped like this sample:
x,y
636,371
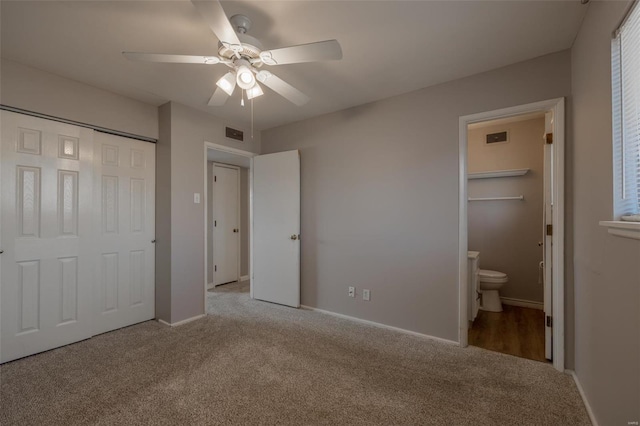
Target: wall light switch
x,y
196,198
366,294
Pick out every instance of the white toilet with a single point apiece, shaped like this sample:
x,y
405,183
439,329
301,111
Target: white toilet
x,y
490,283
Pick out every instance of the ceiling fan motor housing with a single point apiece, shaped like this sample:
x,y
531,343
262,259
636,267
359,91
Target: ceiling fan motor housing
x,y
251,46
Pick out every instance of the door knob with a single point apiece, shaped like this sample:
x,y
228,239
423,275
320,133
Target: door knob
x,y
294,237
540,243
235,230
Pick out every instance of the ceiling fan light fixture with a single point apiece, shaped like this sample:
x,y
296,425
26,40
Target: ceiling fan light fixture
x,y
245,77
254,92
227,83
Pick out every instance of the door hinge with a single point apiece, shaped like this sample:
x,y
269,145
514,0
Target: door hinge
x,y
548,138
215,178
550,229
549,321
215,268
215,223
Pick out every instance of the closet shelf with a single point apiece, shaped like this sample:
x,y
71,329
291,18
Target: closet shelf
x,y
497,174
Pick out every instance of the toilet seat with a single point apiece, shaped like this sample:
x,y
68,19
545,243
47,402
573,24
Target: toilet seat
x,y
489,276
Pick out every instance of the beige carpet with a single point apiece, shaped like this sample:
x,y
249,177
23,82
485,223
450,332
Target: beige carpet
x,y
255,363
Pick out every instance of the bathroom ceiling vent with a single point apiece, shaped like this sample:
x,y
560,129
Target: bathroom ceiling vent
x,y
498,137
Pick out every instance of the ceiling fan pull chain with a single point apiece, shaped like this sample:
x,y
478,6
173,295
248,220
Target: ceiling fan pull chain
x,y
242,96
251,118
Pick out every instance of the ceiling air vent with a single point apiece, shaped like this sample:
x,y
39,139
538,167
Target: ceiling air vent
x,y
497,137
234,134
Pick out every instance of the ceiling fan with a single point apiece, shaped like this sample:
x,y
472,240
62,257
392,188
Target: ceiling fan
x,y
245,56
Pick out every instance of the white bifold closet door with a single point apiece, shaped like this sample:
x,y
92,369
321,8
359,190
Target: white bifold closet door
x,y
226,231
77,221
124,217
46,268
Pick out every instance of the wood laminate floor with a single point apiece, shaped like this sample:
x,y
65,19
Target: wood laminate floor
x,y
514,331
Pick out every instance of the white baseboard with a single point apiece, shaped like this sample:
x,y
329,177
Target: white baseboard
x,y
210,286
175,324
522,303
244,278
592,417
379,325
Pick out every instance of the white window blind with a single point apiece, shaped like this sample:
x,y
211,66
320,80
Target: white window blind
x,y
626,115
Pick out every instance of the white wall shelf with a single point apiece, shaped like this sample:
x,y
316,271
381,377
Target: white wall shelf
x,y
497,174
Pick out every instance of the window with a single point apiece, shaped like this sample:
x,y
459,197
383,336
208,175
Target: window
x,y
626,115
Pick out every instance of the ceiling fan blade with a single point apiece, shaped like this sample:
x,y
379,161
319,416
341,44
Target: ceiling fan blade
x,y
213,14
319,51
218,98
176,59
282,88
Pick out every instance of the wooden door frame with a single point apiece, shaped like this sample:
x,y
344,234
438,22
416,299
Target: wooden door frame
x,y
558,286
213,200
241,153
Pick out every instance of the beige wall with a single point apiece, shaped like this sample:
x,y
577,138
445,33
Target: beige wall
x,y
189,129
506,233
380,194
607,268
38,91
163,214
244,221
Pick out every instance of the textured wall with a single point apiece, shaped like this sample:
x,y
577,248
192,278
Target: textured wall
x,y
380,194
607,268
39,91
190,128
506,233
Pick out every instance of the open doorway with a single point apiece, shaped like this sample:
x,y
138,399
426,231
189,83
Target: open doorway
x,y
228,223
511,231
260,247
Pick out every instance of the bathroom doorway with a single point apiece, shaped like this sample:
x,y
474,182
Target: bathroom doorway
x,y
511,231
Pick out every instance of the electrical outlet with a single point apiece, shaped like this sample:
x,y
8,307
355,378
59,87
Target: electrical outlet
x,y
366,294
196,198
352,292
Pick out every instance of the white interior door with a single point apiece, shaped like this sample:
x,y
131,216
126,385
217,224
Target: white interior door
x,y
547,235
46,228
226,230
124,215
276,228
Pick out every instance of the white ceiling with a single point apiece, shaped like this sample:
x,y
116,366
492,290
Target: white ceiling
x,y
390,47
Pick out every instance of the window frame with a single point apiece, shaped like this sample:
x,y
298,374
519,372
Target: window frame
x,y
622,203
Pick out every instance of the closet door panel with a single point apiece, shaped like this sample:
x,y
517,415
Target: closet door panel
x,y
46,234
